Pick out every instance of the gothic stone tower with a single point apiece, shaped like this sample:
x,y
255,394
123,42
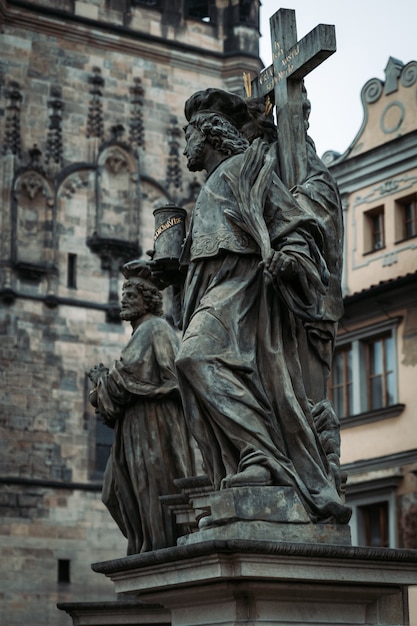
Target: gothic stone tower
x,y
91,115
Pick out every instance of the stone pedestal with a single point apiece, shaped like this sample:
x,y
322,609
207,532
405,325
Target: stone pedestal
x,y
263,583
271,514
123,611
252,555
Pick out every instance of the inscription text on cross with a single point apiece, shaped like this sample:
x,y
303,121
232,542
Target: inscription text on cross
x,y
292,61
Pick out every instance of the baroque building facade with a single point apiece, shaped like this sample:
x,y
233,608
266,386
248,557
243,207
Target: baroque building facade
x,y
373,381
91,118
92,97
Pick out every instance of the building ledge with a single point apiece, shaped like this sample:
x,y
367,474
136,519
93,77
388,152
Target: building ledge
x,y
376,464
371,416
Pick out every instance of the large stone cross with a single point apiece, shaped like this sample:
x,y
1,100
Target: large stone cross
x,y
292,61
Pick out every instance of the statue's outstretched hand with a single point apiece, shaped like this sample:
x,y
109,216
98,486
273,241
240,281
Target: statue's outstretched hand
x,y
280,265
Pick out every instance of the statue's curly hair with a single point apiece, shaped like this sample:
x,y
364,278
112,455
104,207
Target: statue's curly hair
x,y
220,133
152,297
138,275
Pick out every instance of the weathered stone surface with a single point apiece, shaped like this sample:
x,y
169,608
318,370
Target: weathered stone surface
x,y
233,581
255,304
274,532
123,611
138,397
272,514
269,504
48,430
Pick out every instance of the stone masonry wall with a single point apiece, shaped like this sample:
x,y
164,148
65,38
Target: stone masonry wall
x,y
91,117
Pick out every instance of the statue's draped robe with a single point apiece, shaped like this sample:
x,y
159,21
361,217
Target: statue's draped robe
x,y
238,366
151,446
318,196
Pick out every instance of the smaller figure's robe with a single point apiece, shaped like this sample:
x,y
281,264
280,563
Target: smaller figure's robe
x,y
151,448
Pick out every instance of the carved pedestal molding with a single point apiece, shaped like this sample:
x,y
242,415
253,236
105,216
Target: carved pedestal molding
x,y
242,571
237,581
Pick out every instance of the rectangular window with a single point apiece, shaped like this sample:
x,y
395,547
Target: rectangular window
x,y
373,525
374,230
407,217
199,9
341,387
72,271
64,571
380,372
363,378
104,441
378,231
373,521
410,219
100,436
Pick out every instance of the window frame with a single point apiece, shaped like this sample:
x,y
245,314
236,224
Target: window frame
x,y
97,439
383,375
347,383
72,270
401,205
371,217
103,442
372,495
358,340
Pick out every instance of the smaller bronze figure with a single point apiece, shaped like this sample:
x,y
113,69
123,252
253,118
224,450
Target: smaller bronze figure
x,y
138,397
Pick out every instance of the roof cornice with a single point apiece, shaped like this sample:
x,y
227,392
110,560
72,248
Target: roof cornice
x,y
392,158
116,37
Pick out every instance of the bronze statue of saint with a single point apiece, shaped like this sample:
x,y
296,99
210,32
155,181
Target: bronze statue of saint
x,y
139,397
256,266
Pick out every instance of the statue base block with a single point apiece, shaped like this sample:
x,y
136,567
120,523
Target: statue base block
x,y
269,504
273,532
258,583
262,513
255,557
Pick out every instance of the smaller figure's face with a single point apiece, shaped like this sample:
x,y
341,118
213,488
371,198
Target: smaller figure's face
x,y
133,305
195,148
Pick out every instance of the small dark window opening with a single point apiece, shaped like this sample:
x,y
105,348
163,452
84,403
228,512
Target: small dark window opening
x,y
72,271
199,9
377,231
374,230
410,219
374,525
64,571
341,383
104,441
381,372
245,12
155,4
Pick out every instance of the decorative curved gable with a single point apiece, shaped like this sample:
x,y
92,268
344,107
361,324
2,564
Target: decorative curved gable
x,y
390,108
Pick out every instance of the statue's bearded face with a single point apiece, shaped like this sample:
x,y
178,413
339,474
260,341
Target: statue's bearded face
x,y
133,304
195,148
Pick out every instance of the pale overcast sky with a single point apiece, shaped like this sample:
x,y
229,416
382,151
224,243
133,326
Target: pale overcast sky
x,y
368,32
